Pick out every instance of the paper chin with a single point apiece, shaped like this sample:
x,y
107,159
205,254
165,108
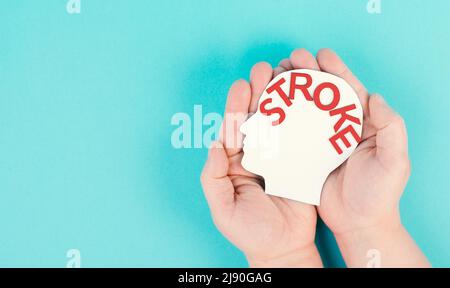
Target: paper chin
x,y
308,193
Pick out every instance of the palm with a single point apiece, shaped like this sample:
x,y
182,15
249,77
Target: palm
x,y
350,191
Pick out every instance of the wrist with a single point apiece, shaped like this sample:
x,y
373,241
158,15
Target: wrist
x,y
382,229
369,236
358,226
307,257
365,247
384,245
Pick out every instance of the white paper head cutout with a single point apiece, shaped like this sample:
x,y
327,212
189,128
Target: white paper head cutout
x,y
307,124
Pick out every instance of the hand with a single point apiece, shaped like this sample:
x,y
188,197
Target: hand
x,y
360,199
365,191
271,231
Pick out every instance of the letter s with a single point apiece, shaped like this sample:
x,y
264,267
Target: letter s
x,y
271,111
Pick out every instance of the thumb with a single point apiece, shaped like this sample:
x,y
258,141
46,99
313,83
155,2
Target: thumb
x,y
217,186
391,135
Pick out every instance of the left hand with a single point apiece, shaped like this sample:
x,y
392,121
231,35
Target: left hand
x,y
270,231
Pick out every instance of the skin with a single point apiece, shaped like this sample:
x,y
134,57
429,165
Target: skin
x,y
360,199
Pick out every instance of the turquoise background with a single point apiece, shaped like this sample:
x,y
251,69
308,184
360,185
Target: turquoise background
x,y
86,100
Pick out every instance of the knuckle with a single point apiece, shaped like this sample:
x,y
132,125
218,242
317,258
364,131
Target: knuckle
x,y
399,121
404,166
408,168
203,177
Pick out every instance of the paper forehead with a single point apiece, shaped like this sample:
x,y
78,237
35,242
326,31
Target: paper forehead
x,y
348,95
314,127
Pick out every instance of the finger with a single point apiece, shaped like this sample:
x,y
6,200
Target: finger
x,y
286,64
303,59
391,136
217,186
236,111
330,62
260,76
277,71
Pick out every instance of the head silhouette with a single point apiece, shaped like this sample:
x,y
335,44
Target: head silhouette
x,y
307,124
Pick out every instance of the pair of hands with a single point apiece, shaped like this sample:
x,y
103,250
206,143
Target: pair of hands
x,y
360,199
